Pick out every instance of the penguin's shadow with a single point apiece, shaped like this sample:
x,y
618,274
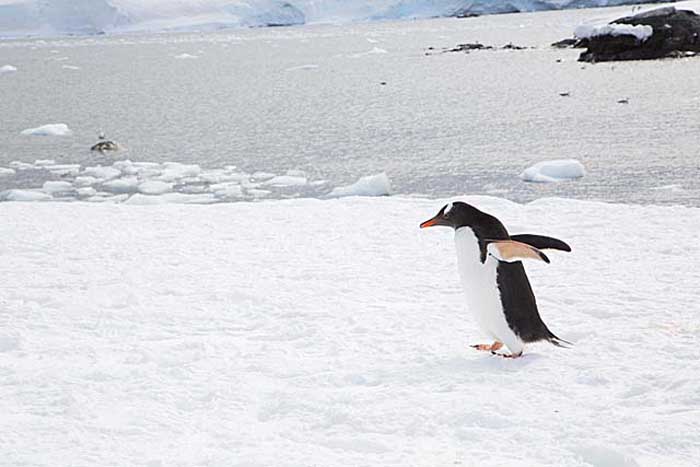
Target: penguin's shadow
x,y
486,362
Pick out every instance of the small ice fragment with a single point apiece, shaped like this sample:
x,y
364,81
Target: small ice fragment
x,y
85,181
371,185
51,129
104,173
155,187
121,185
19,165
262,176
53,187
553,171
5,172
286,180
87,191
24,195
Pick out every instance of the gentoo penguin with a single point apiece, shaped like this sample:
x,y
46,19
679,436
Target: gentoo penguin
x,y
104,144
494,280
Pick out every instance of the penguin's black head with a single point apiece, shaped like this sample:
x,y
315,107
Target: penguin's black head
x,y
458,214
454,215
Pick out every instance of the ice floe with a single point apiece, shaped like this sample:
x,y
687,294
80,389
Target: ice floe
x,y
55,187
185,56
51,129
553,171
169,180
371,185
24,195
155,187
7,69
286,180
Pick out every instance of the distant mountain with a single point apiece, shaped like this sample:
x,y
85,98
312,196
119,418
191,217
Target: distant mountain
x,y
60,17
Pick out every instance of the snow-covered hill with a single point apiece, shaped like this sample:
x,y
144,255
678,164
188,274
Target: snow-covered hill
x,y
51,17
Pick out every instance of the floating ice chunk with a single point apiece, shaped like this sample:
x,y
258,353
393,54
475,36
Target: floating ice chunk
x,y
24,195
553,171
155,187
185,56
54,187
372,185
5,172
104,173
227,190
262,176
87,191
63,169
107,198
223,175
44,162
51,129
7,69
122,185
171,198
673,188
302,67
641,31
254,192
286,180
70,67
85,181
19,165
174,170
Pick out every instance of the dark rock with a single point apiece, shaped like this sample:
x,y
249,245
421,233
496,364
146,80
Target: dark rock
x,y
675,33
566,43
511,46
468,47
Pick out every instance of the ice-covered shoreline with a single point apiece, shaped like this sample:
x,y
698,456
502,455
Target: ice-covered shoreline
x,y
309,332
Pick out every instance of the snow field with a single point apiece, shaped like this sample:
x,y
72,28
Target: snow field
x,y
308,332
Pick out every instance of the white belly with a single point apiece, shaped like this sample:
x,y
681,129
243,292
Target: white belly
x,y
483,296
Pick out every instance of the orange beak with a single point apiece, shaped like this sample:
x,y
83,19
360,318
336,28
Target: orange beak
x,y
437,220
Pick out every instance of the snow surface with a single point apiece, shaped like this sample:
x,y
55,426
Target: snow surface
x,y
331,333
641,31
51,129
554,171
372,185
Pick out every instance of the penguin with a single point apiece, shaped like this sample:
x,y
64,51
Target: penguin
x,y
104,144
497,289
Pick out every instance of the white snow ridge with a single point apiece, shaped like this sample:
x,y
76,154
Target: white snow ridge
x,y
554,171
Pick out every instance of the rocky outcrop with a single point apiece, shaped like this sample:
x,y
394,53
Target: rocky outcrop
x,y
674,33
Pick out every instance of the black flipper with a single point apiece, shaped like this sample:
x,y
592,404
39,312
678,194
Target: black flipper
x,y
541,242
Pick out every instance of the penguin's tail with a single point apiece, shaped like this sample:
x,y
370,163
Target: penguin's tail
x,y
554,340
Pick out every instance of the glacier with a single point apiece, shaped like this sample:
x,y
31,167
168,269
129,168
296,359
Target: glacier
x,y
21,18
